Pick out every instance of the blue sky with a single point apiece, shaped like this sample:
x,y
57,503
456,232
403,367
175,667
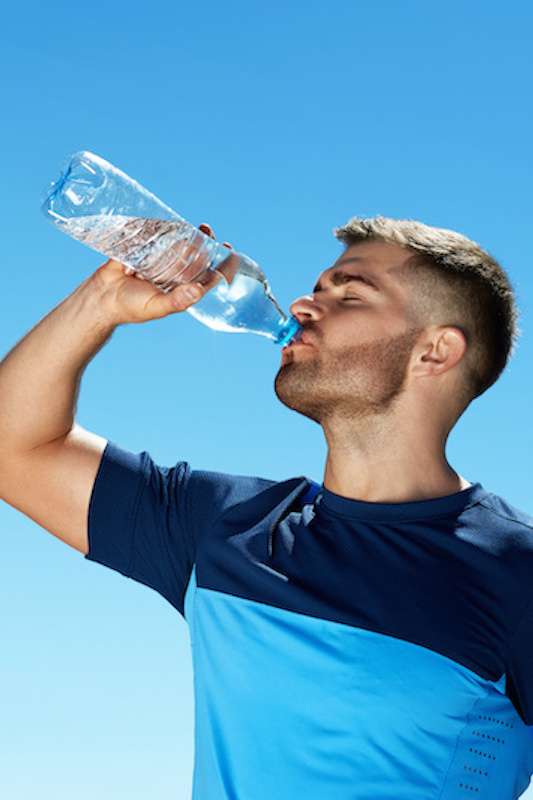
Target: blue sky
x,y
274,123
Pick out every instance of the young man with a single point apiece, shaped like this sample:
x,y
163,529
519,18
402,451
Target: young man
x,y
370,637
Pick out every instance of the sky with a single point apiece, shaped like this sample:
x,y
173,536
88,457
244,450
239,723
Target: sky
x,y
273,122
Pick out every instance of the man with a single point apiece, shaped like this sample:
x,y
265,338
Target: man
x,y
370,638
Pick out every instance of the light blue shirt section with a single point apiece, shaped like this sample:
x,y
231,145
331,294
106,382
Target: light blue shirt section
x,y
290,706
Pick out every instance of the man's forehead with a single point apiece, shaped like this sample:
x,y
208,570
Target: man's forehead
x,y
386,257
383,261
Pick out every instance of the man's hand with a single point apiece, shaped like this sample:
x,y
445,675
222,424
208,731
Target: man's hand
x,y
130,298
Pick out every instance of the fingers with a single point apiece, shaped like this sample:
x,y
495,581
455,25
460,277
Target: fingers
x,y
206,228
192,254
209,280
229,267
186,294
130,271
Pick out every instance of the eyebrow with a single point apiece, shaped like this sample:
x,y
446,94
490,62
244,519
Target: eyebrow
x,y
339,278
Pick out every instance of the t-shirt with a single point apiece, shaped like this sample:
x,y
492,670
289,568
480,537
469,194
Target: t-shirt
x,y
341,649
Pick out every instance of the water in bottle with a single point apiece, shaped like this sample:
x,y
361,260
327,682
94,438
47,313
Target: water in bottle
x,y
97,204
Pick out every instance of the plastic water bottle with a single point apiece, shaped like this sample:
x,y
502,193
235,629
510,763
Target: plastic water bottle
x,y
99,205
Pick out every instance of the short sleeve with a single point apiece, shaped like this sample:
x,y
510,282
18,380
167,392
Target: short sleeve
x,y
520,672
137,521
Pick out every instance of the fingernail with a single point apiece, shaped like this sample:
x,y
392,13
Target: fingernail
x,y
192,292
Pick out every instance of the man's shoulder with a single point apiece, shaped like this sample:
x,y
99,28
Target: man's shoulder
x,y
509,513
512,528
225,490
244,482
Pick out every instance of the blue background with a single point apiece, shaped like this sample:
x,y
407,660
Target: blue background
x,y
274,123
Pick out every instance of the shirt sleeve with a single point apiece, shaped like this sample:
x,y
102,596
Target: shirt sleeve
x,y
138,522
520,672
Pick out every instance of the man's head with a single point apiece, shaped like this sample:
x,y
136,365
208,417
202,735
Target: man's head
x,y
432,317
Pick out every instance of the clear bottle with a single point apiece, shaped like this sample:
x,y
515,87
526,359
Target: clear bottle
x,y
99,205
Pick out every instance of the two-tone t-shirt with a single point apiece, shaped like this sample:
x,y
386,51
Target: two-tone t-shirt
x,y
341,649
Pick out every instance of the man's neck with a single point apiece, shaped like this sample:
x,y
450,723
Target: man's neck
x,y
385,490
380,467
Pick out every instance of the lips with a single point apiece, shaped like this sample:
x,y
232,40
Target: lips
x,y
295,345
305,338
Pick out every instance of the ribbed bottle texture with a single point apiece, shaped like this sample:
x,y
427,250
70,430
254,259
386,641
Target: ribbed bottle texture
x,y
99,205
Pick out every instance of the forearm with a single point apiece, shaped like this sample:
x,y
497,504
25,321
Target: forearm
x,y
40,377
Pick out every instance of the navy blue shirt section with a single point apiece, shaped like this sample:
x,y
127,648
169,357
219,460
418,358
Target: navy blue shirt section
x,y
146,520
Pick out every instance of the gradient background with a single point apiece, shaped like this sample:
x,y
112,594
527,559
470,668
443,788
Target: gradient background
x,y
274,124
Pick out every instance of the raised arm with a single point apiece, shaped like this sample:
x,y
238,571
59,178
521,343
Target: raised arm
x,y
48,463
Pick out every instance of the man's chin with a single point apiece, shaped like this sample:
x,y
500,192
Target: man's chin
x,y
292,395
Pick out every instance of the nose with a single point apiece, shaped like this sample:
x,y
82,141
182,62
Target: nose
x,y
306,309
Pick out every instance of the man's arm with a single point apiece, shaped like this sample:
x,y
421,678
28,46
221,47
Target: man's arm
x,y
48,463
52,484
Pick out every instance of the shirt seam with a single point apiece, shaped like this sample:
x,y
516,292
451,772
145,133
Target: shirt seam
x,y
484,503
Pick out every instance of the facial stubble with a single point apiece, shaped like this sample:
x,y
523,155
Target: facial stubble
x,y
353,382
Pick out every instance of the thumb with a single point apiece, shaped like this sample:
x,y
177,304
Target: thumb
x,y
187,294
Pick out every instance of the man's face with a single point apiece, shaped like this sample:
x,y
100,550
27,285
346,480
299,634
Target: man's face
x,y
357,338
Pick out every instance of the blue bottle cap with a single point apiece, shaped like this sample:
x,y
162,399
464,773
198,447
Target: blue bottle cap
x,y
290,330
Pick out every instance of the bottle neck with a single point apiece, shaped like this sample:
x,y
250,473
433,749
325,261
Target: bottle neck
x,y
288,331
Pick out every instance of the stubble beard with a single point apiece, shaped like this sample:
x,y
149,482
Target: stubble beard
x,y
353,383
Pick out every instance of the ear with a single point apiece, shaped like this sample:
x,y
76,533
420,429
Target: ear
x,y
439,350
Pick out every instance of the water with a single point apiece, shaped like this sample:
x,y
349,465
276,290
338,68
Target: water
x,y
170,252
165,252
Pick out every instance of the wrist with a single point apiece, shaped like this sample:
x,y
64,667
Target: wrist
x,y
99,292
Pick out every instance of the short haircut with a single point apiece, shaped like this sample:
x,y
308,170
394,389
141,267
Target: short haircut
x,y
454,282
